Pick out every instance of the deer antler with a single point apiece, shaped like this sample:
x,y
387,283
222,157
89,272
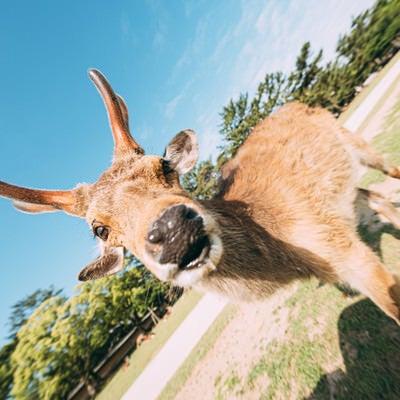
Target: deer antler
x,y
75,201
118,116
37,201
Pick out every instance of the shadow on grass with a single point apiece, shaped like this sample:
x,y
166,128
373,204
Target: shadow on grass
x,y
374,239
370,346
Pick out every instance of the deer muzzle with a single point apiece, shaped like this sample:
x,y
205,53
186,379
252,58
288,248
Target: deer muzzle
x,y
178,237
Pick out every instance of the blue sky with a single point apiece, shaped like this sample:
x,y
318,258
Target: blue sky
x,y
176,63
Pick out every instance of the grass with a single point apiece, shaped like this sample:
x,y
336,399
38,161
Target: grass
x,y
333,344
230,386
289,366
297,367
123,379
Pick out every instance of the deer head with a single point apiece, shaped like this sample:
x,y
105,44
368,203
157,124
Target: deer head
x,y
137,204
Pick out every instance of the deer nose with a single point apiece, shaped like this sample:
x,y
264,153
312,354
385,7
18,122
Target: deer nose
x,y
172,220
177,237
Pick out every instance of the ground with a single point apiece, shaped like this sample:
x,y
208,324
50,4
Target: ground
x,y
237,347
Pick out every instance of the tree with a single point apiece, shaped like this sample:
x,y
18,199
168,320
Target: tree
x,y
201,182
240,117
371,40
65,339
6,369
300,83
37,372
22,310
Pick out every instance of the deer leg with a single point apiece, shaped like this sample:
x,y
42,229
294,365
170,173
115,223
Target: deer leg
x,y
369,156
373,159
366,273
380,205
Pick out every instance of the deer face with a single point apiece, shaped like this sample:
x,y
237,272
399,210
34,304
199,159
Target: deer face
x,y
139,205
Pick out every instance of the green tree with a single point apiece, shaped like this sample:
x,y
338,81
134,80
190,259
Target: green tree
x,y
301,82
65,339
331,89
21,311
370,41
37,370
6,369
239,117
201,182
326,86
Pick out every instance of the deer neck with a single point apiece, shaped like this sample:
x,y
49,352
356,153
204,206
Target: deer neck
x,y
255,262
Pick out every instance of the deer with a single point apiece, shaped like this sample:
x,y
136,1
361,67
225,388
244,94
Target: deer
x,y
285,209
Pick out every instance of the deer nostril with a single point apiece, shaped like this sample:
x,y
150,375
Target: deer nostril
x,y
191,214
155,236
181,211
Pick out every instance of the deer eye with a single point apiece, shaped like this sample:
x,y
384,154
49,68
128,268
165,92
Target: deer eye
x,y
101,232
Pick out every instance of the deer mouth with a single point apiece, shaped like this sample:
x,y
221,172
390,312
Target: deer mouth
x,y
196,255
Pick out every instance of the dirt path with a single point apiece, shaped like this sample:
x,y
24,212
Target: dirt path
x,y
375,124
242,341
390,187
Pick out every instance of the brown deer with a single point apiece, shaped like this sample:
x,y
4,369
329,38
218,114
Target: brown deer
x,y
285,209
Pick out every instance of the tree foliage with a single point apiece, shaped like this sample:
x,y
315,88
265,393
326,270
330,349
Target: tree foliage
x,y
301,82
21,311
370,42
64,339
239,117
37,372
6,369
201,182
374,37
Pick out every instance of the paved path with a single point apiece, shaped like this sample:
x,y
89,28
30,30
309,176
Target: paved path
x,y
161,369
156,375
358,116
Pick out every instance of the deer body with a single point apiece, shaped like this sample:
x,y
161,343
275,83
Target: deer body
x,y
285,209
295,214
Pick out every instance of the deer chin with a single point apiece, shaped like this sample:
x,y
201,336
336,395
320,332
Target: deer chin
x,y
196,269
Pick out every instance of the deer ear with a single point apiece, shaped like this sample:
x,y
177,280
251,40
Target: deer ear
x,y
182,151
111,262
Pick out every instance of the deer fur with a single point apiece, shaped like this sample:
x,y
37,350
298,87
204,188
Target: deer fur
x,y
285,209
